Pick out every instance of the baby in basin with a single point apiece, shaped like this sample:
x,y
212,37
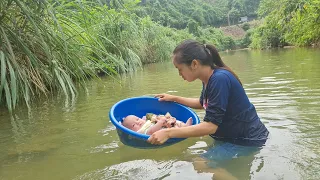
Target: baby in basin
x,y
152,123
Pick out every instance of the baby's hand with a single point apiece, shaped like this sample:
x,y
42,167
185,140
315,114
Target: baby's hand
x,y
154,118
163,121
171,122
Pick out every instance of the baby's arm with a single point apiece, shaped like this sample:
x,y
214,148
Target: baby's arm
x,y
156,127
171,122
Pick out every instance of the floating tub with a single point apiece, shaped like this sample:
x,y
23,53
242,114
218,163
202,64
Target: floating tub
x,y
140,106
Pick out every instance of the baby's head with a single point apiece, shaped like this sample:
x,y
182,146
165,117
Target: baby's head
x,y
133,122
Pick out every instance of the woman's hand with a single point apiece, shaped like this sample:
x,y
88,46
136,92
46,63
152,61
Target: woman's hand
x,y
159,137
190,102
165,97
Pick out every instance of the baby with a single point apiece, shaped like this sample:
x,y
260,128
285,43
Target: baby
x,y
152,123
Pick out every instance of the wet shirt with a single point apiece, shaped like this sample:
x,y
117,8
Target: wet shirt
x,y
228,106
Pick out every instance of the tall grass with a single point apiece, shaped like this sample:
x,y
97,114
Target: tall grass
x,y
48,45
42,50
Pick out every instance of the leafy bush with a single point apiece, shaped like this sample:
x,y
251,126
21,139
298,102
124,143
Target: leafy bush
x,y
246,26
294,22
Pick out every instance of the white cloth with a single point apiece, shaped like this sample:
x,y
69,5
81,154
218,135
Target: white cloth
x,y
144,129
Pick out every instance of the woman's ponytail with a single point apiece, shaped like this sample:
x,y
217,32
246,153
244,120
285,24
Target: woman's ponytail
x,y
208,55
217,62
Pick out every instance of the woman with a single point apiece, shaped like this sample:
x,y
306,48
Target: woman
x,y
230,117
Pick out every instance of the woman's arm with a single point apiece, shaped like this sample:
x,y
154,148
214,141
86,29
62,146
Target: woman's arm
x,y
190,102
204,128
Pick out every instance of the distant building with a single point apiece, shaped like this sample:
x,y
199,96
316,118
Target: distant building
x,y
243,19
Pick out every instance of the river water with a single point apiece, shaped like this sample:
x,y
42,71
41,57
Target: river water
x,y
53,141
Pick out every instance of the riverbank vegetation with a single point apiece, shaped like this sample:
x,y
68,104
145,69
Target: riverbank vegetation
x,y
56,45
294,22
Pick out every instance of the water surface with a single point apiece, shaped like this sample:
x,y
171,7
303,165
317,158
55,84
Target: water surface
x,y
79,142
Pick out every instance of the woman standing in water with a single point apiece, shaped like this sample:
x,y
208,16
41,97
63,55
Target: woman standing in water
x,y
230,118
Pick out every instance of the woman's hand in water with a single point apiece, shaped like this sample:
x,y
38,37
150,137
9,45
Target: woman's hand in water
x,y
159,137
165,97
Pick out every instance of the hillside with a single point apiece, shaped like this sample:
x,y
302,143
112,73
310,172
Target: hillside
x,y
234,31
237,31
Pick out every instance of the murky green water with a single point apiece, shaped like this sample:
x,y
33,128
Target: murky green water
x,y
53,142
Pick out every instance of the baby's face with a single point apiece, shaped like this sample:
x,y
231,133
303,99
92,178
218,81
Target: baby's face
x,y
133,122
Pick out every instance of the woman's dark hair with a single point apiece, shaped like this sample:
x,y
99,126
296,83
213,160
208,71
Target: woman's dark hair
x,y
190,50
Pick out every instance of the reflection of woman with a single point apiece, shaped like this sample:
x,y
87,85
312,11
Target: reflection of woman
x,y
230,117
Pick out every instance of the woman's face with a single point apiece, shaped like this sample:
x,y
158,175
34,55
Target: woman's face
x,y
188,73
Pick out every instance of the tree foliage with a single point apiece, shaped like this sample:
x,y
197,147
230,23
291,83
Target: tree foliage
x,y
295,22
179,13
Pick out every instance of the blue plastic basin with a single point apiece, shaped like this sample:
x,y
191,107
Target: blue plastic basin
x,y
139,106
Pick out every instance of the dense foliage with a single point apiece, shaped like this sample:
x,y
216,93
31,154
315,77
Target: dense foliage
x,y
48,45
295,22
180,13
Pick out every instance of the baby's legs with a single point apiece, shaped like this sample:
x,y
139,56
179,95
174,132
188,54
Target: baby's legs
x,y
182,124
189,122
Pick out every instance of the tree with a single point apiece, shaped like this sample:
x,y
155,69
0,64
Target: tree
x,y
283,20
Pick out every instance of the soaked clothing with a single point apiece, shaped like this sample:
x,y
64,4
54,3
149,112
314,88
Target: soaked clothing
x,y
228,106
223,152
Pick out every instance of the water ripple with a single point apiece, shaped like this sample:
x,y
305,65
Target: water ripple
x,y
111,147
147,169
